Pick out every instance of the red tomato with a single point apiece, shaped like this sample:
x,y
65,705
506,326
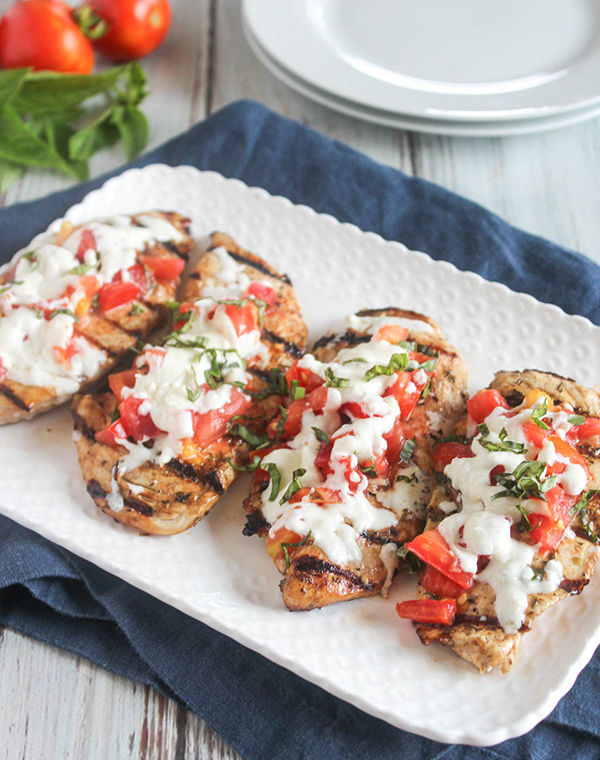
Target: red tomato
x,y
121,380
211,426
548,530
136,274
135,27
323,460
396,439
392,333
433,549
318,496
352,408
3,371
293,421
243,318
435,611
304,377
86,242
164,268
483,404
446,452
564,449
439,584
534,434
262,292
42,34
317,399
589,429
183,309
137,425
110,434
282,536
401,391
117,294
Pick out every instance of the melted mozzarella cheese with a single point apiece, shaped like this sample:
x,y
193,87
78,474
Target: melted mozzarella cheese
x,y
409,494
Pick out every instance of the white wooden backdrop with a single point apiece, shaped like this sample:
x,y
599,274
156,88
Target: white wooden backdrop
x,y
56,705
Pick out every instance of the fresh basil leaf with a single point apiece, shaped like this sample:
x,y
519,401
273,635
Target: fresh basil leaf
x,y
294,486
331,381
100,134
133,128
297,391
9,174
412,562
408,450
576,419
321,436
286,546
11,81
253,465
537,414
83,268
397,363
357,360
368,469
406,479
253,440
135,309
503,444
275,476
68,312
429,365
581,509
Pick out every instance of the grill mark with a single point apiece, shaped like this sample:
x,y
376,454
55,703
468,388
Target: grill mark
x,y
573,587
212,479
80,424
195,276
350,337
263,374
110,354
182,497
14,398
306,564
513,398
173,248
290,348
255,522
95,490
138,506
184,470
260,267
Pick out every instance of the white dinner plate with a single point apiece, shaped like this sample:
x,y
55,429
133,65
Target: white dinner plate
x,y
360,650
465,60
414,123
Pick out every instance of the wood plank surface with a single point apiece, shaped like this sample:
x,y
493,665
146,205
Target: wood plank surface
x,y
57,705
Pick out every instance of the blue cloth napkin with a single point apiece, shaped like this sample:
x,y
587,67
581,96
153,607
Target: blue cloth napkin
x,y
261,709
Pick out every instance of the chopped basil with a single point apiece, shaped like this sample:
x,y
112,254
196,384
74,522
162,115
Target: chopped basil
x,y
175,341
525,525
253,440
503,445
262,305
38,312
321,436
115,414
538,573
408,450
581,509
537,414
427,389
286,546
297,391
358,360
525,482
397,363
277,385
135,309
294,486
412,562
68,312
331,381
576,419
96,301
406,479
83,268
253,465
368,469
193,395
429,365
449,438
418,347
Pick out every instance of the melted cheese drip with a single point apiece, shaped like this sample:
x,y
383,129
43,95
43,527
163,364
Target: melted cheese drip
x,y
42,276
483,526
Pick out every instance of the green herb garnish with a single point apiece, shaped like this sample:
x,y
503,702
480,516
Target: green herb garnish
x,y
294,486
331,381
412,562
537,414
286,546
576,419
321,436
297,391
397,363
503,445
408,450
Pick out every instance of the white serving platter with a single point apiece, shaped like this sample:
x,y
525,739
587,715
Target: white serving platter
x,y
467,60
359,651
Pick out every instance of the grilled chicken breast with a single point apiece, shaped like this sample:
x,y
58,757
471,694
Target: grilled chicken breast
x,y
182,474
334,532
75,301
568,556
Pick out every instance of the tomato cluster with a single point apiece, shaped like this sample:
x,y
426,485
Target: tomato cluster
x,y
47,35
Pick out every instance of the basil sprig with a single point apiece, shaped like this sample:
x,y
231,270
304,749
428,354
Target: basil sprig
x,y
502,445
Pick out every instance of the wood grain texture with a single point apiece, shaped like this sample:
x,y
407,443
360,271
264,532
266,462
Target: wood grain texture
x,y
56,705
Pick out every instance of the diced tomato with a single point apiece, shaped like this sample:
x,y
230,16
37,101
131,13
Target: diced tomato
x,y
164,268
110,434
566,450
138,426
304,377
117,294
90,287
497,470
352,408
183,309
396,439
262,292
121,380
548,530
391,333
483,404
282,536
3,371
212,425
244,318
406,392
293,420
352,475
447,451
323,460
318,496
87,241
589,429
155,355
317,399
433,549
380,463
434,611
534,434
439,584
260,475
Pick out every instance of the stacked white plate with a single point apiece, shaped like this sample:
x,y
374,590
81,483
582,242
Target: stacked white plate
x,y
476,68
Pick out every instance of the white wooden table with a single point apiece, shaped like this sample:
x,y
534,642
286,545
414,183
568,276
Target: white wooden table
x,y
56,705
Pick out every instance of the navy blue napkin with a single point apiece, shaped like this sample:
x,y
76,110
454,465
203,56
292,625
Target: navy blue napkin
x,y
261,709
